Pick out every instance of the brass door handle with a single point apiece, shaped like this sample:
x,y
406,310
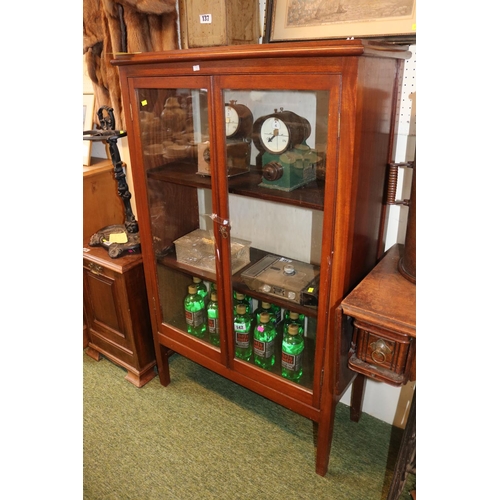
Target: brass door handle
x,y
380,351
95,268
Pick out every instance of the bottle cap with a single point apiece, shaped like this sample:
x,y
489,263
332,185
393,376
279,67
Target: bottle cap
x,y
213,296
196,280
266,305
293,329
294,315
240,296
264,317
241,308
192,289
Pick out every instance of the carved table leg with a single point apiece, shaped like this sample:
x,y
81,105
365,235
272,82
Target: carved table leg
x,y
406,461
357,393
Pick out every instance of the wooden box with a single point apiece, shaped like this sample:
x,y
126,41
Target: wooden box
x,y
207,23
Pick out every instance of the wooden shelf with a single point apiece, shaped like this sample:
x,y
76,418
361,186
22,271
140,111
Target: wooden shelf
x,y
184,173
170,260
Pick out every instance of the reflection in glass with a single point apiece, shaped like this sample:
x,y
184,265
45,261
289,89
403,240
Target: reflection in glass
x,y
278,205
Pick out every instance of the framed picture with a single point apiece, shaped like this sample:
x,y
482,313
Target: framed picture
x,y
88,114
323,19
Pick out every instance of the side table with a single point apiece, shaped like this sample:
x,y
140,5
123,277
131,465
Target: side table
x,y
117,314
383,311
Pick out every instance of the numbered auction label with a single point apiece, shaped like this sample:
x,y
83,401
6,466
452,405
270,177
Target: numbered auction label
x,y
206,18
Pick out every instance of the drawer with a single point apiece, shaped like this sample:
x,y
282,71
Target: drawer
x,y
389,356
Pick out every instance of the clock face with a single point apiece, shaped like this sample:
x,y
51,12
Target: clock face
x,y
232,121
275,135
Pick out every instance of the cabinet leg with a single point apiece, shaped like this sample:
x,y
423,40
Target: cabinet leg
x,y
162,364
141,379
357,393
93,353
85,336
324,441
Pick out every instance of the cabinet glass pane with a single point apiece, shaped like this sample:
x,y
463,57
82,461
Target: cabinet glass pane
x,y
175,137
277,139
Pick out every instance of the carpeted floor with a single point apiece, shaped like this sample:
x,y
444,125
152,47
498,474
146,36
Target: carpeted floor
x,y
205,437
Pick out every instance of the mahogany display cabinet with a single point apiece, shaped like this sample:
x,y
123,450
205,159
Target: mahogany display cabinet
x,y
261,169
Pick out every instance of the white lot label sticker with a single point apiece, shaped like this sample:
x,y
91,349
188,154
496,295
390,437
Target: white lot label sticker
x,y
206,18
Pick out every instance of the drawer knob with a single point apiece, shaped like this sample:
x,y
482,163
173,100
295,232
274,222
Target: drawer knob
x,y
380,351
95,268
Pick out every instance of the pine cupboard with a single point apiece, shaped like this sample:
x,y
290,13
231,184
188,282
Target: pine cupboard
x,y
260,169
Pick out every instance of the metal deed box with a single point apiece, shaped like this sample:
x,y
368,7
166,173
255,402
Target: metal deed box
x,y
207,23
197,249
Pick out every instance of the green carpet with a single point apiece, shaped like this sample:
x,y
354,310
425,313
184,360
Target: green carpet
x,y
205,437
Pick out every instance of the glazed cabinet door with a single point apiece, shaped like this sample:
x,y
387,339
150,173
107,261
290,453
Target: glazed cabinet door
x,y
276,166
236,172
172,121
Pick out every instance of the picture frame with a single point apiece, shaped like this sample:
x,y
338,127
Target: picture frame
x,y
88,114
390,20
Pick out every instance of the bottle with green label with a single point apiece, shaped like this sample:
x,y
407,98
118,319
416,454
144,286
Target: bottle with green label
x,y
195,313
292,351
213,320
202,289
264,339
243,332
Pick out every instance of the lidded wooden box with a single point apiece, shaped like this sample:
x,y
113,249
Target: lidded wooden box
x,y
207,23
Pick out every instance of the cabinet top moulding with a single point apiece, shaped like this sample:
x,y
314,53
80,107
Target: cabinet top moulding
x,y
337,48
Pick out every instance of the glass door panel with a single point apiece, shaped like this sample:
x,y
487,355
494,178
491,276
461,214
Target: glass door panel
x,y
174,130
276,203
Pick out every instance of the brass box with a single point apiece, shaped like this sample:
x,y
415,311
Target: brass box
x,y
208,23
289,279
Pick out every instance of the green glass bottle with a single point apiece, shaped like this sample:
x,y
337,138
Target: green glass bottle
x,y
294,317
265,307
243,332
213,320
241,298
276,310
202,289
264,339
195,313
292,350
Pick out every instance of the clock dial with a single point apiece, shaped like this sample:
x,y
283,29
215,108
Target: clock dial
x,y
232,121
275,135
